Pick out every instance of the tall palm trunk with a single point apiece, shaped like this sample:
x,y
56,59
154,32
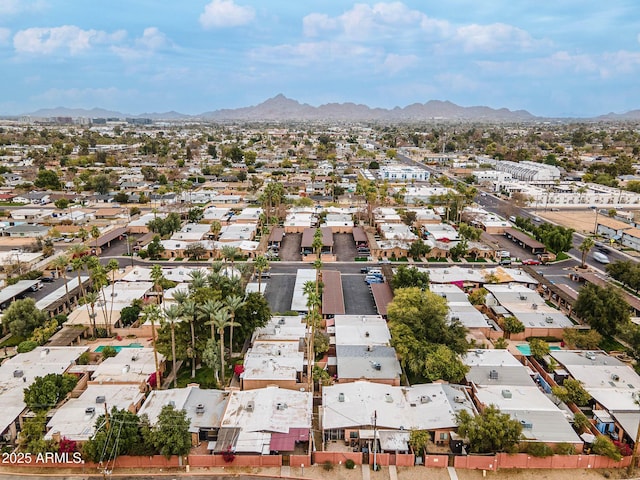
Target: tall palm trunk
x,y
66,287
193,349
173,353
221,333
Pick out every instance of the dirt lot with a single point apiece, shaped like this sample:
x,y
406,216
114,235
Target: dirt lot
x,y
582,221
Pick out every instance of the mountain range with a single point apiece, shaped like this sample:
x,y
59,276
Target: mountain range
x,y
281,108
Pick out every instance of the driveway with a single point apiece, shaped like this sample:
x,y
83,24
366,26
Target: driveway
x,y
344,247
290,247
279,291
358,299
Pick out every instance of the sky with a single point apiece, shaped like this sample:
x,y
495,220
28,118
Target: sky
x,y
562,58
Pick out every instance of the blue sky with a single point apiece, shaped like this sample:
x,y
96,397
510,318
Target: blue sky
x,y
552,58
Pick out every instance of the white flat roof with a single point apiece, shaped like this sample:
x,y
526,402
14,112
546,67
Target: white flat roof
x,y
299,299
420,407
130,365
274,410
361,330
73,421
282,328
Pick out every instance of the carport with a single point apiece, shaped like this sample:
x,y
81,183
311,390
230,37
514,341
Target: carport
x,y
382,296
307,240
106,239
332,295
525,241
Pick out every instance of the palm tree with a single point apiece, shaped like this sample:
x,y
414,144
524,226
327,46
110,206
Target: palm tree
x,y
78,253
198,279
261,264
234,302
586,245
95,233
90,299
215,228
189,312
152,314
61,263
157,277
112,267
78,265
173,313
222,320
207,310
229,253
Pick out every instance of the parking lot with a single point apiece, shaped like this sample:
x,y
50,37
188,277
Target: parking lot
x,y
290,247
357,295
344,247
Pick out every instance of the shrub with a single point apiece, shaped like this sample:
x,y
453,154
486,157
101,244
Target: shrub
x,y
539,449
603,446
565,449
83,359
27,346
108,352
350,464
327,466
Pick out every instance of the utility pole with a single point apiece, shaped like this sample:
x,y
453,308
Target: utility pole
x,y
375,447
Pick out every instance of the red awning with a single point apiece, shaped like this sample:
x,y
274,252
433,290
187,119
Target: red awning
x,y
286,442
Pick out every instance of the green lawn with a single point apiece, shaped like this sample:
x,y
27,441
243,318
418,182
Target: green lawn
x,y
204,377
12,341
609,344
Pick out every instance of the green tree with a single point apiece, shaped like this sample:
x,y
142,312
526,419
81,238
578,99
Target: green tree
x,y
155,248
31,437
233,302
603,308
539,348
478,296
195,250
419,249
195,214
115,436
45,392
171,434
173,314
261,264
61,203
108,351
222,320
580,339
410,277
512,325
442,363
211,358
572,391
500,344
581,423
585,247
22,317
48,179
460,249
490,431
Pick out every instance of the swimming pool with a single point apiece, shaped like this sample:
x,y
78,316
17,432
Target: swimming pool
x,y
117,348
525,349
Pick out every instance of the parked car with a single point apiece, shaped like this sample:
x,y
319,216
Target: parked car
x,y
531,261
601,258
364,270
373,279
47,279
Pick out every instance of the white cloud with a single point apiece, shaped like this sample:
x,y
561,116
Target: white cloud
x,y
394,63
364,21
313,53
225,13
152,39
314,23
494,37
5,35
67,37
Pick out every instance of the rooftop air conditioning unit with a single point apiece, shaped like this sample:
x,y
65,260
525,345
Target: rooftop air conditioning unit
x,y
377,366
590,355
341,397
250,406
200,409
493,375
523,297
425,399
506,394
458,399
388,398
101,399
18,373
90,411
172,403
615,377
549,319
281,406
534,306
281,321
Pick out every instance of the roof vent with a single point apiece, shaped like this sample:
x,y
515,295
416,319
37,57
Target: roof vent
x,y
615,377
171,403
126,369
506,393
44,352
281,406
281,321
250,406
200,409
101,399
425,399
526,425
388,398
341,397
458,399
523,297
590,355
367,334
493,375
534,306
